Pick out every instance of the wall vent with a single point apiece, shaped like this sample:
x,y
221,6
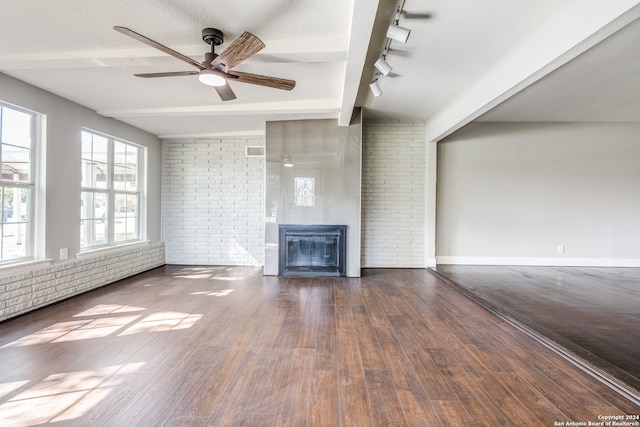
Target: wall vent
x,y
255,151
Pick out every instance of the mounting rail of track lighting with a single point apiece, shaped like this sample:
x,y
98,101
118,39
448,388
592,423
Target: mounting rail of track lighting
x,y
394,33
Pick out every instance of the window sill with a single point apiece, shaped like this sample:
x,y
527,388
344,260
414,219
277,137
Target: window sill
x,y
108,249
21,267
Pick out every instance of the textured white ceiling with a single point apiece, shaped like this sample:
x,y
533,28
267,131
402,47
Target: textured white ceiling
x,y
69,48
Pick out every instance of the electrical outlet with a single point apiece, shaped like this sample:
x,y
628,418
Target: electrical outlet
x,y
560,249
64,253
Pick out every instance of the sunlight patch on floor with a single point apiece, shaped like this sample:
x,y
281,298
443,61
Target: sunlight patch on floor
x,y
74,330
163,321
102,309
98,328
221,293
61,397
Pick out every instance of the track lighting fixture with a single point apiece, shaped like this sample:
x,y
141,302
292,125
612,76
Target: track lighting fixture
x,y
383,66
394,32
376,90
398,33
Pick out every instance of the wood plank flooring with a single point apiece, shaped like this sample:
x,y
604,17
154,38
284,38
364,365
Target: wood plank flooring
x,y
592,311
226,346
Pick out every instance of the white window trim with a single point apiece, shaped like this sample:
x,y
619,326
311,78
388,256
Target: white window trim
x,y
36,227
142,199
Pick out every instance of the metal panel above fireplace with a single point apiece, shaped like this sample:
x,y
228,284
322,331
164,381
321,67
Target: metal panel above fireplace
x,y
312,250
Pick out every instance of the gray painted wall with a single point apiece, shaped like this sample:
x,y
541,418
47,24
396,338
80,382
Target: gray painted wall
x,y
511,193
64,121
329,153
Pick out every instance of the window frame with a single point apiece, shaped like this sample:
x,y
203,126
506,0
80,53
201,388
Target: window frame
x,y
111,193
30,185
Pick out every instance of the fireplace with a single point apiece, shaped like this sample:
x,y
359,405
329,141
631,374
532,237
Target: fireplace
x,y
312,250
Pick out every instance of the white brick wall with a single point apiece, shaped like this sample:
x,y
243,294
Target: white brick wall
x,y
393,194
23,292
213,202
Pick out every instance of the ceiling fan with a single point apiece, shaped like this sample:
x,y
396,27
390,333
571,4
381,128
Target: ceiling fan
x,y
216,70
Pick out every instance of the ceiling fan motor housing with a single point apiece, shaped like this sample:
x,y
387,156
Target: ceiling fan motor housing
x,y
212,36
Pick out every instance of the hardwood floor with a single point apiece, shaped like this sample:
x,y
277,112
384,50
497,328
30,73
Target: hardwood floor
x,y
593,312
198,346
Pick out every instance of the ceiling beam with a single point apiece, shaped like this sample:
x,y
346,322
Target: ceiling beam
x,y
278,51
312,106
362,21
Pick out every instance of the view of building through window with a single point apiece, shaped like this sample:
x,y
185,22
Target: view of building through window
x,y
110,195
17,130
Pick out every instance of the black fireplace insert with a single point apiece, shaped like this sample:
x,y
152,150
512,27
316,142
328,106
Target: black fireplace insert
x,y
312,250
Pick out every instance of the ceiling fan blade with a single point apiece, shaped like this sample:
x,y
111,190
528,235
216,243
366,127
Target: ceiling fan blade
x,y
225,92
241,48
163,48
257,79
168,74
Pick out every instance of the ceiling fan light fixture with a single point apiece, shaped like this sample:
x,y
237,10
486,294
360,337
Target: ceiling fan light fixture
x,y
287,162
211,78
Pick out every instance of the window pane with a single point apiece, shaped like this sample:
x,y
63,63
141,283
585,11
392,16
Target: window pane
x,y
16,128
97,206
93,218
86,201
17,137
15,204
119,177
16,163
126,217
14,243
87,159
95,170
119,153
125,167
100,149
94,174
92,233
111,166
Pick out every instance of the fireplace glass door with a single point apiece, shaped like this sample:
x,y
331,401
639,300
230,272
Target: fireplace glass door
x,y
312,250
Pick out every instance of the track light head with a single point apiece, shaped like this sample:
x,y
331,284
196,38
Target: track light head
x,y
376,90
383,66
398,33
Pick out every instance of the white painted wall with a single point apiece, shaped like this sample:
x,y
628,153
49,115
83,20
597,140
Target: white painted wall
x,y
213,199
511,193
394,227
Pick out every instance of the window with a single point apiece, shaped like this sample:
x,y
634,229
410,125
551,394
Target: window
x,y
17,135
110,199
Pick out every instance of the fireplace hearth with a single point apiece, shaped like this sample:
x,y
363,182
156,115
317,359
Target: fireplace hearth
x,y
312,250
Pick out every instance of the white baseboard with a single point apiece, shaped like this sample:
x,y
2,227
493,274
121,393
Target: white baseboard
x,y
526,261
